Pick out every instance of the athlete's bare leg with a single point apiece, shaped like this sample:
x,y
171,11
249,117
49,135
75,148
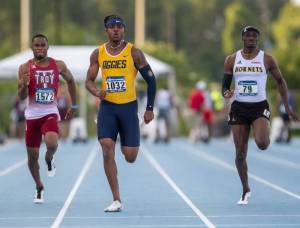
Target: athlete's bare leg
x,y
130,153
110,167
51,139
261,132
240,138
33,164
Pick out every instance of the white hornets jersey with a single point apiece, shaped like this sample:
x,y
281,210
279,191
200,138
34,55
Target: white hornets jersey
x,y
250,78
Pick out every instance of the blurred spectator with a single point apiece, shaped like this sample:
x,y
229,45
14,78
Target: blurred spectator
x,y
17,124
201,113
285,130
217,99
220,111
63,104
164,105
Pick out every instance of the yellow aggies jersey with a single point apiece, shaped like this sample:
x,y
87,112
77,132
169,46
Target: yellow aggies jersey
x,y
118,75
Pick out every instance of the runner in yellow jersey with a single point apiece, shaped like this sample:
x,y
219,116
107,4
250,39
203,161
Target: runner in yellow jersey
x,y
119,61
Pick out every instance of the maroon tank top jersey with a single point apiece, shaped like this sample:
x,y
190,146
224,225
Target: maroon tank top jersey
x,y
42,90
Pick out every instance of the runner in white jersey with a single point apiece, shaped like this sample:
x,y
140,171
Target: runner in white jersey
x,y
250,108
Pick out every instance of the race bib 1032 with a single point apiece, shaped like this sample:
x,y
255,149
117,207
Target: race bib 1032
x,y
115,84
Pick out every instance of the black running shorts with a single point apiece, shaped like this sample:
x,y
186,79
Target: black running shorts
x,y
246,112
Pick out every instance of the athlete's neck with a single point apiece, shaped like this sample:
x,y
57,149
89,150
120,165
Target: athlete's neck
x,y
249,53
41,61
115,44
115,48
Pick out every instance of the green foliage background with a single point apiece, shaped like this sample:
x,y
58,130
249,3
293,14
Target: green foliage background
x,y
194,36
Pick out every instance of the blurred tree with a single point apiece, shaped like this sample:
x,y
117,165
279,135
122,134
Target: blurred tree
x,y
240,13
177,59
237,16
286,32
9,29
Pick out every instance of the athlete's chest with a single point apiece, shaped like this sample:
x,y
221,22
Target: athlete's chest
x,y
44,77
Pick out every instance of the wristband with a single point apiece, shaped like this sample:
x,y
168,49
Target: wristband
x,y
74,106
149,108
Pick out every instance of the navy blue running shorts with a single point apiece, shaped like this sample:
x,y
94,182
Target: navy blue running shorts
x,y
114,119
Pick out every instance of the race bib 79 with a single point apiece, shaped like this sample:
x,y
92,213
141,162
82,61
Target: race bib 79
x,y
247,88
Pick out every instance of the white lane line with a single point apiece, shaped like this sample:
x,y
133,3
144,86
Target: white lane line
x,y
13,167
275,160
75,188
150,216
160,170
17,165
258,154
219,162
280,225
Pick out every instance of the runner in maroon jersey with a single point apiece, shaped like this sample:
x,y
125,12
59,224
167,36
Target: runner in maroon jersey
x,y
38,83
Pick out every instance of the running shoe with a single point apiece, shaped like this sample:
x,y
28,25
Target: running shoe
x,y
116,206
39,196
244,198
51,169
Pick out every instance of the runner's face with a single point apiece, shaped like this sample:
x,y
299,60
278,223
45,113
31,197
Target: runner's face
x,y
250,39
39,48
115,32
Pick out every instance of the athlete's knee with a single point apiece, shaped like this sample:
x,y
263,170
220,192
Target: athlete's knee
x,y
107,149
262,144
130,154
107,144
240,157
131,158
52,146
33,157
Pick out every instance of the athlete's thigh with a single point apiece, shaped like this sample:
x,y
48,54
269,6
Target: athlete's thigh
x,y
129,125
50,130
107,122
261,129
33,133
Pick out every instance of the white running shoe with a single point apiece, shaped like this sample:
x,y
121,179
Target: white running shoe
x,y
244,200
51,168
116,206
39,196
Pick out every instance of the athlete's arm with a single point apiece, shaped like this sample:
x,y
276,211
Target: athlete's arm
x,y
68,77
272,67
92,75
23,82
142,65
227,78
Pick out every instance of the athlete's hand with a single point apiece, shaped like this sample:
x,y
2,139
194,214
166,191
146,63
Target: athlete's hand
x,y
70,114
292,115
228,94
148,116
101,94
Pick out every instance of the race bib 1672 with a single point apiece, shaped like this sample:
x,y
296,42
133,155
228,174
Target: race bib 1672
x,y
44,95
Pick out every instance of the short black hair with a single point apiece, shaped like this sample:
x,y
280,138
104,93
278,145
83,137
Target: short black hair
x,y
112,16
39,35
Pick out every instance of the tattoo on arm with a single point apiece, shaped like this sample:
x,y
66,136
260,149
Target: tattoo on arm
x,y
139,58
